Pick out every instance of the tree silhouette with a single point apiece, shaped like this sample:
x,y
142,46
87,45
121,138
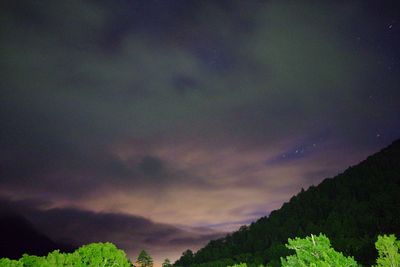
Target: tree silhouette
x,y
167,263
144,259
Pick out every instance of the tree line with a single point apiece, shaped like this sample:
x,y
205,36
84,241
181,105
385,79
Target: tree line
x,y
352,209
91,255
317,251
313,251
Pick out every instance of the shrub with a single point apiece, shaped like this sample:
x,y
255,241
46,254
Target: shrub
x,y
315,251
388,249
92,255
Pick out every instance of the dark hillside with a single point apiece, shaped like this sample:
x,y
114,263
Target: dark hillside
x,y
18,236
351,209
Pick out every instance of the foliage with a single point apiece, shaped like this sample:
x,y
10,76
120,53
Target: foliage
x,y
351,208
101,254
186,259
315,251
33,261
217,263
388,249
244,265
5,262
144,259
92,255
312,251
167,263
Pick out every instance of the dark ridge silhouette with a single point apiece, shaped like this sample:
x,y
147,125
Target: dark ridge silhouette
x,y
18,236
351,209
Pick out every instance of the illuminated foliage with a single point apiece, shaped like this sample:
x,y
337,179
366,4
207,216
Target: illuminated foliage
x,y
4,262
315,251
92,255
388,248
101,254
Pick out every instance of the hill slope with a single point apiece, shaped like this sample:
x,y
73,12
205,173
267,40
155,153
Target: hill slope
x,y
18,236
351,209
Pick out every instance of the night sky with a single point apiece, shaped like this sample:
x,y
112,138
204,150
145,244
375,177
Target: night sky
x,y
160,125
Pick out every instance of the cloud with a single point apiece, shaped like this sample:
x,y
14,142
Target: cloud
x,y
81,78
189,112
129,232
150,165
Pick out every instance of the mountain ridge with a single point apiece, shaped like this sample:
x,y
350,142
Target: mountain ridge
x,y
19,236
352,208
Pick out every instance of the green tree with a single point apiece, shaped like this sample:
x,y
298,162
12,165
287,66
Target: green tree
x,y
167,263
245,265
144,259
186,259
5,262
33,261
388,249
99,254
315,251
56,258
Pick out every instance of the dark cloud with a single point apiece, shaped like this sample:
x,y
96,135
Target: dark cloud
x,y
168,109
150,165
129,232
184,84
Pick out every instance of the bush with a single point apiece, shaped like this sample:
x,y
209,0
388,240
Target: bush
x,y
315,251
101,254
4,262
388,249
92,255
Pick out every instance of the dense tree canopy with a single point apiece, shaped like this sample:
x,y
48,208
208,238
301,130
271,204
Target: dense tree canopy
x,y
92,255
315,251
351,209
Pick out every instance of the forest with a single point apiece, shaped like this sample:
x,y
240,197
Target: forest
x,y
352,209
